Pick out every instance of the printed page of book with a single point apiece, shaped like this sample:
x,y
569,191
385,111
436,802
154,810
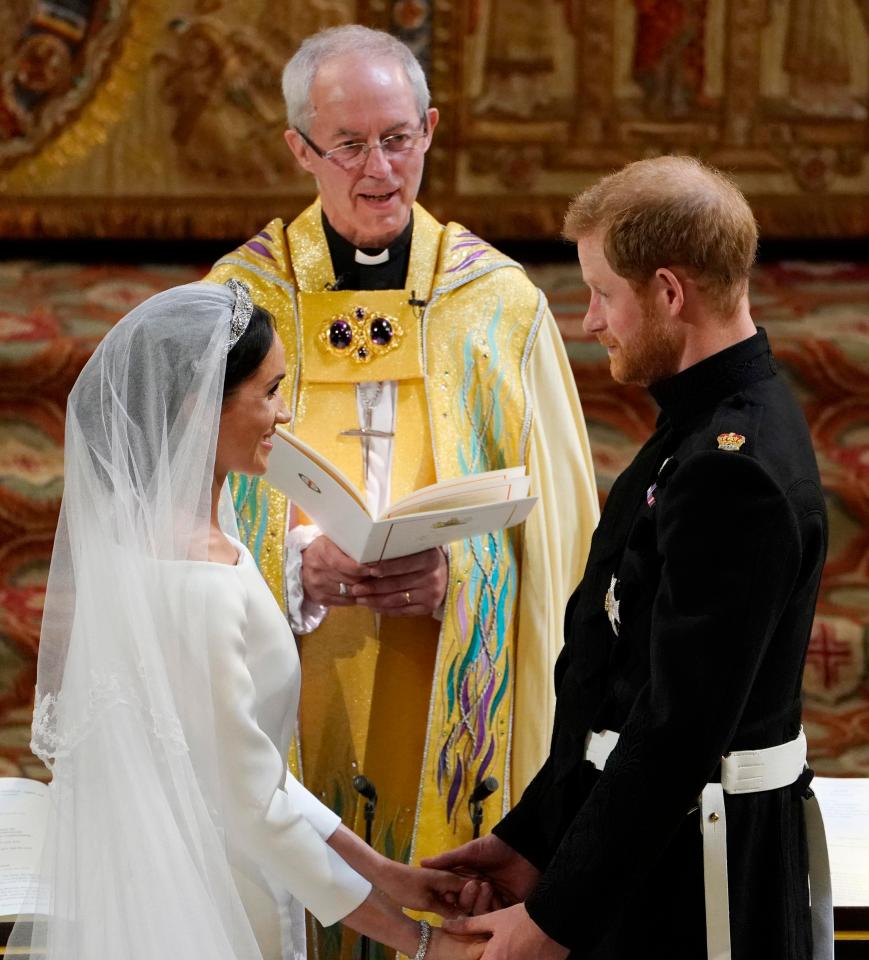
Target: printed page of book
x,y
24,806
513,478
457,498
421,531
321,490
845,806
307,452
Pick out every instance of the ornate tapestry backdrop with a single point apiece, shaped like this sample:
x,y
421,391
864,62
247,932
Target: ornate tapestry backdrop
x,y
157,118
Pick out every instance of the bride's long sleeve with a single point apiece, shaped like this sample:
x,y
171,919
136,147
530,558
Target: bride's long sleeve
x,y
272,821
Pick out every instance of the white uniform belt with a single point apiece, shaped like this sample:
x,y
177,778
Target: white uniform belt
x,y
748,771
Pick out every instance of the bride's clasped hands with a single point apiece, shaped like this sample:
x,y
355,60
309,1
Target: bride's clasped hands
x,y
439,892
421,889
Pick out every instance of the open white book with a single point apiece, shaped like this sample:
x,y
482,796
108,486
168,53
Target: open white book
x,y
446,511
845,807
24,806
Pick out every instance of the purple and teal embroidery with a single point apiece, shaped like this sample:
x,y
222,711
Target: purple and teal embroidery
x,y
482,388
479,675
250,498
476,248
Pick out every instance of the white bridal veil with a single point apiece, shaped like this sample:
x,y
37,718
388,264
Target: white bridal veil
x,y
135,863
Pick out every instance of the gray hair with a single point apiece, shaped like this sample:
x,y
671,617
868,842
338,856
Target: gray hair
x,y
335,42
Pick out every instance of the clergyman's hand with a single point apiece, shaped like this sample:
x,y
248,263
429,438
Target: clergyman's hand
x,y
412,586
325,568
501,876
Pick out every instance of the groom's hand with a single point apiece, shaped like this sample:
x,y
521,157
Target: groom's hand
x,y
512,934
498,875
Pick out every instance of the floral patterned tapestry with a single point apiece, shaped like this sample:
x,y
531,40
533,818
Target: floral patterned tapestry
x,y
164,118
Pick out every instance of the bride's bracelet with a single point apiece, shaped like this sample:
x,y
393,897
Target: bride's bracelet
x,y
424,938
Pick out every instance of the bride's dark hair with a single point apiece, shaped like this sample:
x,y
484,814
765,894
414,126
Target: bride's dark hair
x,y
250,351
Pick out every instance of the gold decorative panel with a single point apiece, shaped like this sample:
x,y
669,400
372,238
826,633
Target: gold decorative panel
x,y
543,98
161,118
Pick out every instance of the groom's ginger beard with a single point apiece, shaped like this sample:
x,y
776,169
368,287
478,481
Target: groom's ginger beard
x,y
653,351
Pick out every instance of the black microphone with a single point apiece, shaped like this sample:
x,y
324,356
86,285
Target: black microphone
x,y
485,788
365,787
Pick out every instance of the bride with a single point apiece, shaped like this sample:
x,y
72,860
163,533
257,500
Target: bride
x,y
168,679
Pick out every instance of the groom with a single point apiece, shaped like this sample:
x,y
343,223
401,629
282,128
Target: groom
x,y
685,641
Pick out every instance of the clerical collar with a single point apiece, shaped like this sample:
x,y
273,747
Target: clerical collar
x,y
366,268
371,259
695,390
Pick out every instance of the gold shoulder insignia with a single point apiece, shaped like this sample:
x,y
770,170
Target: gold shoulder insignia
x,y
730,441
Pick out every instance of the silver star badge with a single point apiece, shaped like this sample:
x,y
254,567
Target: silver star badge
x,y
611,605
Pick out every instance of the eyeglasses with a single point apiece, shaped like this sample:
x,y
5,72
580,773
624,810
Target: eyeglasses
x,y
351,155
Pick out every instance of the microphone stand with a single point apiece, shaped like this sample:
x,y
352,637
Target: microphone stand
x,y
364,787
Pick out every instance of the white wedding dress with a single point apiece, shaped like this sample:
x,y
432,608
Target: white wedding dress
x,y
276,830
167,685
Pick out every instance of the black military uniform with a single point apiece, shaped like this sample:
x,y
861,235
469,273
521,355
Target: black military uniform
x,y
687,635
